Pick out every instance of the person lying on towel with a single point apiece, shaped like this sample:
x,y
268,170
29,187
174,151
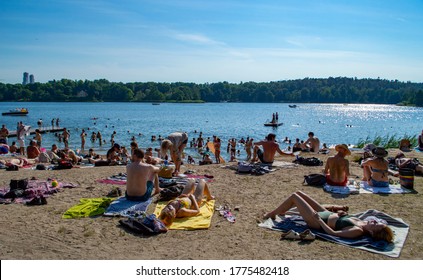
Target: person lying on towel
x,y
187,204
337,224
337,167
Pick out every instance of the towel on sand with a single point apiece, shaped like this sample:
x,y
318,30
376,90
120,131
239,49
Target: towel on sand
x,y
127,208
392,189
200,221
88,207
364,243
350,189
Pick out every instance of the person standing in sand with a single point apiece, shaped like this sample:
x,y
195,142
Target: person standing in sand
x,y
313,142
142,178
337,167
175,142
270,147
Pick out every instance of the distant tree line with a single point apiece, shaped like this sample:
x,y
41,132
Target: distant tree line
x,y
308,90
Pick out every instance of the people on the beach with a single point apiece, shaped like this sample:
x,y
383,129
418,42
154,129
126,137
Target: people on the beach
x,y
335,222
420,141
337,167
21,131
38,138
175,142
32,150
375,169
66,135
4,133
270,147
248,147
217,146
403,162
297,145
142,179
83,135
188,203
313,142
13,148
232,142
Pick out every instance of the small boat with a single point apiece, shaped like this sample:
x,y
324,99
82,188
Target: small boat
x,y
292,106
16,112
273,124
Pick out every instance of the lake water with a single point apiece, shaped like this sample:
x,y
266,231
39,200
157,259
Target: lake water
x,y
331,123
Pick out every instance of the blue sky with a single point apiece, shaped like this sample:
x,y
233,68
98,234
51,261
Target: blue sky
x,y
210,41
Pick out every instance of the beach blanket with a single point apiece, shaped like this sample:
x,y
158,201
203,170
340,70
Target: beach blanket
x,y
127,208
364,243
283,164
119,179
88,207
34,189
200,221
350,189
392,189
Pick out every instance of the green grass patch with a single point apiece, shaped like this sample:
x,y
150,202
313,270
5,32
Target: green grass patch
x,y
387,141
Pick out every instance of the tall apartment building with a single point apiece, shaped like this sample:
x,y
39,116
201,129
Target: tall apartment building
x,y
25,78
31,79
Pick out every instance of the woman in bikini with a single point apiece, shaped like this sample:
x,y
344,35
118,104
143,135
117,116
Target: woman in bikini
x,y
217,145
375,169
187,204
334,221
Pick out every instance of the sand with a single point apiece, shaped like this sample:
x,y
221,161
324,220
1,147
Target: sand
x,y
39,232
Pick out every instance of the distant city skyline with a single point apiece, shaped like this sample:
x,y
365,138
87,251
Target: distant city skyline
x,y
211,41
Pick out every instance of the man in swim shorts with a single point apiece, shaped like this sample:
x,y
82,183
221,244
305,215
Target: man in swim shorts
x,y
142,179
337,167
175,142
270,147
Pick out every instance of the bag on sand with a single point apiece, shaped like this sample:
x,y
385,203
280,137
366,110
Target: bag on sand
x,y
148,225
315,180
312,161
244,167
165,172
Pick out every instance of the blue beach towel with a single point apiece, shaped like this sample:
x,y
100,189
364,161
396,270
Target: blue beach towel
x,y
126,208
366,243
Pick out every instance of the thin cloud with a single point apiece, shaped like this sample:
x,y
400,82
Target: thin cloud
x,y
196,39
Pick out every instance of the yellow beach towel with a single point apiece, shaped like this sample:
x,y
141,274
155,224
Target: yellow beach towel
x,y
200,221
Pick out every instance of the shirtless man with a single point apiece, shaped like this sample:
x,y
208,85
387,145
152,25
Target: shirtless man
x,y
403,162
270,147
142,178
313,142
337,167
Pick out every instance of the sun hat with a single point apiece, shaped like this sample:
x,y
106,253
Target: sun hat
x,y
344,147
379,152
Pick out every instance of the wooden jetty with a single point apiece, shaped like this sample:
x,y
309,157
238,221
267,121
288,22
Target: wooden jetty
x,y
42,130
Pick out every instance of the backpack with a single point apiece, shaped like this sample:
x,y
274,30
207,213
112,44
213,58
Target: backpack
x,y
244,167
65,164
148,225
315,179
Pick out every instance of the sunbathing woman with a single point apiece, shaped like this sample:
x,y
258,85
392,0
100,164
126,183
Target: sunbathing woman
x,y
337,224
375,169
187,204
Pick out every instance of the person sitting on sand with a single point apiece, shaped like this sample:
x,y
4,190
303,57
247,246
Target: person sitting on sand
x,y
339,224
73,157
206,160
13,148
420,141
142,178
313,142
297,145
175,142
324,149
270,147
32,150
248,147
188,203
402,162
405,145
337,167
375,169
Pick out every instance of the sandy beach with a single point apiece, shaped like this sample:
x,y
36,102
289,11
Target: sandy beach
x,y
39,232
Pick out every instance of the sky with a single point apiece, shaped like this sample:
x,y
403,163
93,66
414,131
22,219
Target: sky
x,y
210,41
